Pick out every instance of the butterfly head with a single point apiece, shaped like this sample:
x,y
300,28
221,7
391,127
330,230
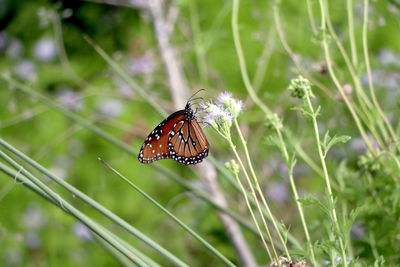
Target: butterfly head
x,y
189,113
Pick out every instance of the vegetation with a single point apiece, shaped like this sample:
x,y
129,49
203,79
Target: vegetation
x,y
299,110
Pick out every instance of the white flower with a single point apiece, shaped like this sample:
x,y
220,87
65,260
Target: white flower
x,y
33,218
45,49
71,99
216,114
82,231
236,107
224,98
15,48
110,107
32,240
26,70
142,65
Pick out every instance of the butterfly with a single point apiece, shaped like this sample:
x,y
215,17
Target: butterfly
x,y
178,137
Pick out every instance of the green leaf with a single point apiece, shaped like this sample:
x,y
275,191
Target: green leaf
x,y
313,201
330,141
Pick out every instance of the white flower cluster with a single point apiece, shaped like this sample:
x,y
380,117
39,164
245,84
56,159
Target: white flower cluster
x,y
223,110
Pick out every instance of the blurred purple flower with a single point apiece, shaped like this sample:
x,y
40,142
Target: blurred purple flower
x,y
32,240
336,261
358,145
124,89
388,57
15,48
381,78
357,231
26,70
110,107
33,218
71,99
277,192
283,170
81,231
45,49
142,65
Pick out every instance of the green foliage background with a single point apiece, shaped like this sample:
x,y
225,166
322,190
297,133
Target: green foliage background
x,y
127,34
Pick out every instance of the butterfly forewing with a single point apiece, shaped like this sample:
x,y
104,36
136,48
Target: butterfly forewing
x,y
155,146
179,137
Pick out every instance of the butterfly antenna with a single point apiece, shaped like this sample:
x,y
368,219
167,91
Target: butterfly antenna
x,y
195,94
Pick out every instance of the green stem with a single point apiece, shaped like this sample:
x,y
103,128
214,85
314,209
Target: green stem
x,y
326,176
242,62
173,217
311,17
199,47
255,180
365,104
129,228
296,197
351,32
233,147
68,208
370,82
293,56
337,83
135,86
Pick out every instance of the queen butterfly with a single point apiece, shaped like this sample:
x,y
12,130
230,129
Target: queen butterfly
x,y
178,137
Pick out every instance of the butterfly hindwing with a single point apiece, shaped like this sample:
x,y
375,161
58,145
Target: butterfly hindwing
x,y
179,137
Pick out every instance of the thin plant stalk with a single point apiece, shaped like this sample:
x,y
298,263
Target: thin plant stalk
x,y
134,85
227,136
368,66
326,175
242,63
198,45
337,83
173,217
262,63
296,196
66,206
258,188
365,104
246,79
237,186
233,147
116,219
311,17
293,56
349,5
246,198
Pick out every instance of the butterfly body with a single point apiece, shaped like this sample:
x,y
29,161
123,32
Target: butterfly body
x,y
178,137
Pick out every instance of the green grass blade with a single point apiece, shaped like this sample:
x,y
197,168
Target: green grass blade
x,y
68,208
173,217
91,202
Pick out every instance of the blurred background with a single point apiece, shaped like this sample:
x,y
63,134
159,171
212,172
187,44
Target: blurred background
x,y
44,44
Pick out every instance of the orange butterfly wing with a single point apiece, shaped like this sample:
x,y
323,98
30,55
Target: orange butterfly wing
x,y
176,138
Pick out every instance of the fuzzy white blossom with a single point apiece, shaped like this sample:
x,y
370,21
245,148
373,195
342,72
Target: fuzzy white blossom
x,y
26,70
45,49
224,98
236,107
223,111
